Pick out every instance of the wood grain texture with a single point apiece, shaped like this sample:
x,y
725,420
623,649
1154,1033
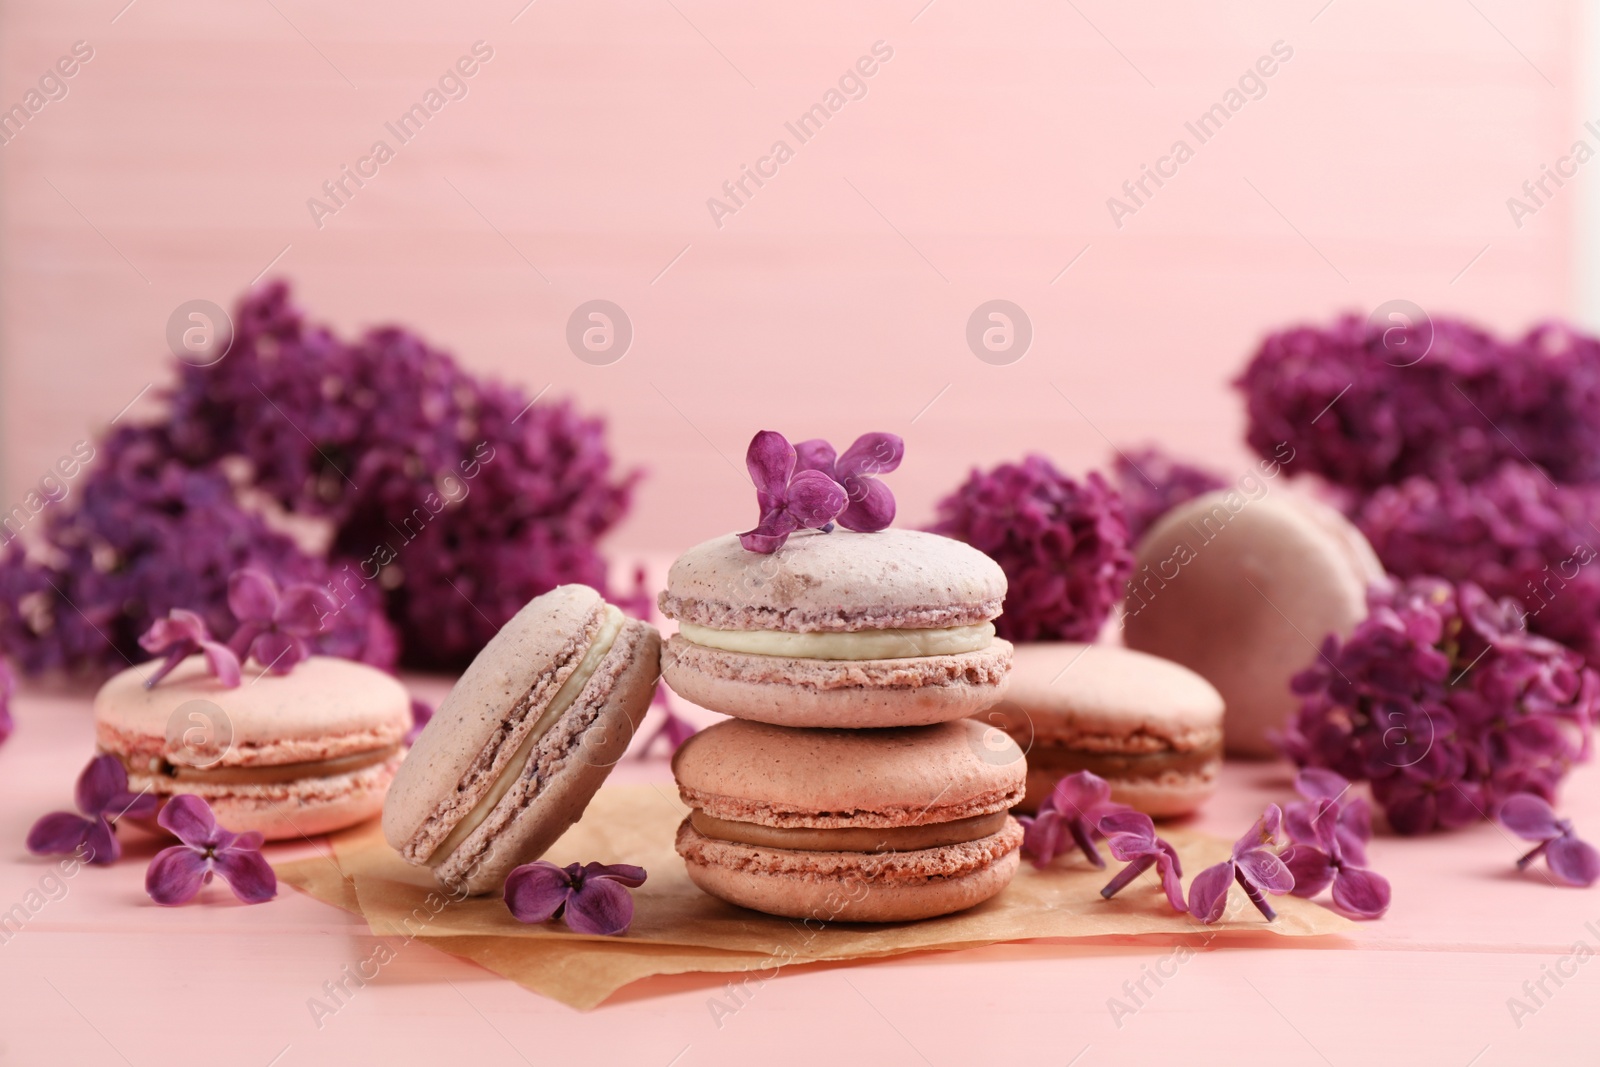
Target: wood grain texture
x,y
977,166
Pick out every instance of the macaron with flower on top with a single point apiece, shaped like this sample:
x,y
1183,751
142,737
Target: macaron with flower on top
x,y
820,617
272,738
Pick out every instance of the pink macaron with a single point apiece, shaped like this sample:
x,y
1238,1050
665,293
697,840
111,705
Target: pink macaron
x,y
838,629
850,825
1243,590
522,743
290,755
1151,728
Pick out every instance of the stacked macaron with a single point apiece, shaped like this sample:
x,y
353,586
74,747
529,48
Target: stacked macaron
x,y
850,786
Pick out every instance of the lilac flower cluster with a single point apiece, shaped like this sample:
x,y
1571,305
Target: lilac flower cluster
x,y
1446,703
452,500
1152,483
1514,532
148,534
1363,411
1062,543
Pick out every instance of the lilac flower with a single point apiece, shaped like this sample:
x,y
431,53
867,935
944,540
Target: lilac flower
x,y
674,728
790,499
1352,815
1131,836
1573,861
591,898
1446,703
1071,813
1257,870
1062,543
1356,406
103,798
1316,859
871,506
1514,533
8,685
1329,836
145,533
421,715
180,635
1152,483
273,628
451,500
177,873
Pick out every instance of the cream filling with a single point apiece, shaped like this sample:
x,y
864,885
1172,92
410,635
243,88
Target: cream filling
x,y
850,838
610,627
853,645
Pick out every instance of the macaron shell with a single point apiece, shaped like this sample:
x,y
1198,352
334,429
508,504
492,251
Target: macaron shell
x,y
853,886
838,581
572,761
1108,699
785,691
1107,708
754,772
322,709
292,810
468,742
1246,601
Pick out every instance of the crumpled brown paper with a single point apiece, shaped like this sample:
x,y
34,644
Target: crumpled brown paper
x,y
677,928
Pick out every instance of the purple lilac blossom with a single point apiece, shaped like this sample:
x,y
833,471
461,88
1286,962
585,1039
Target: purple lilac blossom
x,y
1363,412
1152,483
1063,544
1446,704
1514,533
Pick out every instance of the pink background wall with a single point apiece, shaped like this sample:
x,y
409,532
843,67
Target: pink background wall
x,y
977,166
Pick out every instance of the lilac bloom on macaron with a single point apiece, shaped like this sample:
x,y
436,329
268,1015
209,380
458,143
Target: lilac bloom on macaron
x,y
180,635
790,498
103,798
1572,860
871,507
591,898
274,626
177,873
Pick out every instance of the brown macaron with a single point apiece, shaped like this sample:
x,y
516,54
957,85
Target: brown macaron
x,y
850,825
1151,728
1243,590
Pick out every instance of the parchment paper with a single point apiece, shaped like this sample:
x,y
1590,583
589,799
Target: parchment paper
x,y
677,928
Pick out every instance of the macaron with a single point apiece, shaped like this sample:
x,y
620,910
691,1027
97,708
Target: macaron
x,y
1151,728
838,629
290,755
1243,590
850,825
518,748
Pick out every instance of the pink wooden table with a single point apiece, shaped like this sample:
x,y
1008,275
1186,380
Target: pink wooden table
x,y
101,975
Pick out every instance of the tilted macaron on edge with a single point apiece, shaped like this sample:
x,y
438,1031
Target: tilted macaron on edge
x,y
483,736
